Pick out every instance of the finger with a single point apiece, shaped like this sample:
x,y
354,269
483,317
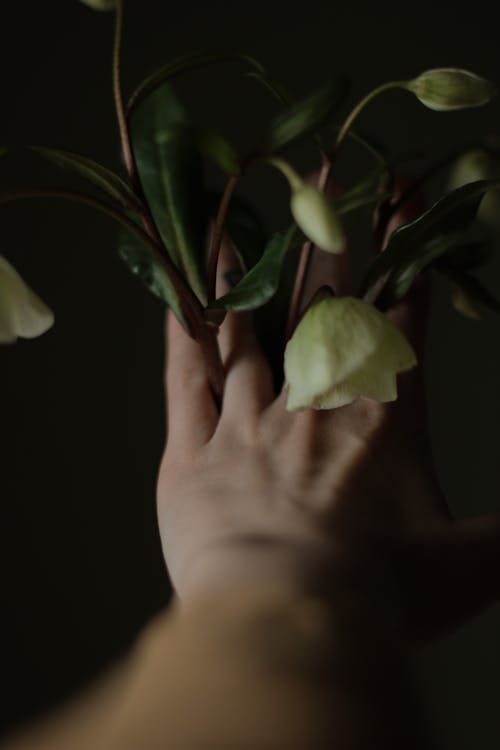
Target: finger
x,y
330,270
327,268
249,384
412,312
192,412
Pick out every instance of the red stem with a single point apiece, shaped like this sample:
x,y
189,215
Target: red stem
x,y
305,259
216,239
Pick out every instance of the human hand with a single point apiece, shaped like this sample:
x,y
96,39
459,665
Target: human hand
x,y
323,499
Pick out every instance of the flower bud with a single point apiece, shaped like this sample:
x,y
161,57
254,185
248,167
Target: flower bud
x,y
344,348
100,4
22,312
445,89
317,218
479,165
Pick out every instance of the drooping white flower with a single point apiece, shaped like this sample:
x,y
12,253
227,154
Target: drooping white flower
x,y
446,89
22,312
344,348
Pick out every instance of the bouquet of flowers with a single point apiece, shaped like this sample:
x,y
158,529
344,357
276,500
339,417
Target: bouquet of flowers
x,y
336,346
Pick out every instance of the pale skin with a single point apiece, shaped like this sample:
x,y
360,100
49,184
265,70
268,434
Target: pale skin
x,y
353,487
307,550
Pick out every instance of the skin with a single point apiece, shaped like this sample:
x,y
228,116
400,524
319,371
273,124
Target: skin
x,y
256,492
307,550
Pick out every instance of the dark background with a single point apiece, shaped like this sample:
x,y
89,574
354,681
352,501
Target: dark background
x,y
82,407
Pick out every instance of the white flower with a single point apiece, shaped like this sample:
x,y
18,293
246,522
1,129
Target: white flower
x,y
100,4
341,349
22,312
445,89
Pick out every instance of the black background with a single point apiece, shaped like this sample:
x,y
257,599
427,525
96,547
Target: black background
x,y
82,407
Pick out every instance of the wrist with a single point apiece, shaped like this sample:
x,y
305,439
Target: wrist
x,y
295,568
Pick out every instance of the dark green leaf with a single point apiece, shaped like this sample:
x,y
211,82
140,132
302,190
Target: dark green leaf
x,y
143,264
304,116
243,226
344,205
218,149
111,183
403,277
366,192
137,248
446,218
183,64
262,281
471,286
170,168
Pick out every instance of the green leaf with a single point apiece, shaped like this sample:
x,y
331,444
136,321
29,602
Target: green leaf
x,y
304,116
261,282
472,287
111,183
170,168
182,65
139,250
402,278
218,149
243,226
366,192
407,245
141,261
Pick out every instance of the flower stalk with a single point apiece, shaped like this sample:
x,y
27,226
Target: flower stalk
x,y
216,238
305,259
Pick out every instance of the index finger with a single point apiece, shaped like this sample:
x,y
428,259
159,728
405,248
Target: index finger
x,y
192,412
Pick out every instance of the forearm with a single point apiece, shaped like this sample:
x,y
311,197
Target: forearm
x,y
256,668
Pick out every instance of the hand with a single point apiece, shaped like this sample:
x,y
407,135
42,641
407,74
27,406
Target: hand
x,y
348,497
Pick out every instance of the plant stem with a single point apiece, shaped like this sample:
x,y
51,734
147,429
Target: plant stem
x,y
128,154
216,239
357,109
429,173
191,307
305,259
389,208
185,64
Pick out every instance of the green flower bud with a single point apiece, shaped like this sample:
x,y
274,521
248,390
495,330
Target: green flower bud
x,y
445,89
344,348
100,4
317,218
479,165
22,312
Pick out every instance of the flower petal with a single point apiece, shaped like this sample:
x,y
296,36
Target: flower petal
x,y
22,312
331,341
344,348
